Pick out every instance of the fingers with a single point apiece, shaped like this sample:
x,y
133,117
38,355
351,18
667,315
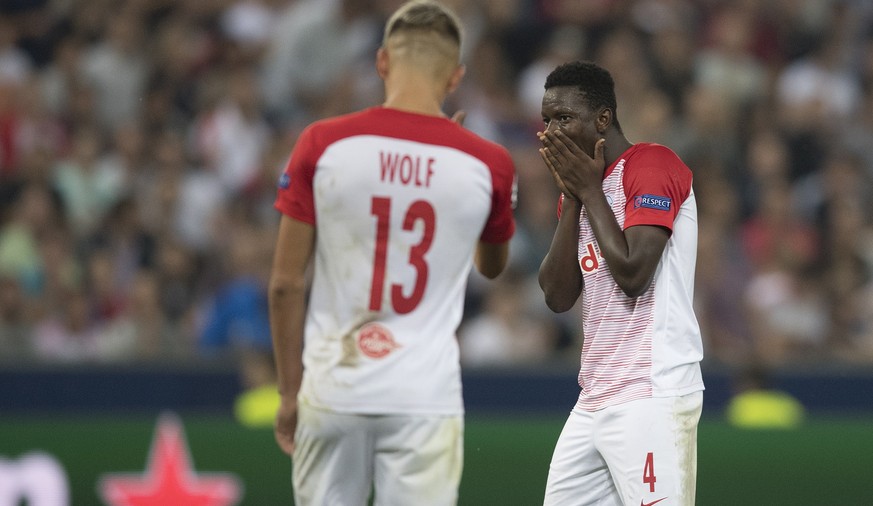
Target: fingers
x,y
544,154
550,163
562,144
548,140
553,150
285,441
284,427
548,156
598,150
563,147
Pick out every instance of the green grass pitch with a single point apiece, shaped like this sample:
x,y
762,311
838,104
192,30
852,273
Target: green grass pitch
x,y
824,462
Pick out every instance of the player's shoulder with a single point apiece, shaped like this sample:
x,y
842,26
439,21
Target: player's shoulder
x,y
652,156
395,124
655,151
317,136
490,152
338,126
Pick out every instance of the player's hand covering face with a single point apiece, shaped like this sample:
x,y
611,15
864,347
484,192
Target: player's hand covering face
x,y
572,145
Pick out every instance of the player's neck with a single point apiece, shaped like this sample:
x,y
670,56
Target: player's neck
x,y
616,144
413,93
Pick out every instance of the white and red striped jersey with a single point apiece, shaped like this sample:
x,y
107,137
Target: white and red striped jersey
x,y
399,202
648,346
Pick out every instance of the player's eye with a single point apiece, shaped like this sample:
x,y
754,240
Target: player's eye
x,y
564,118
546,121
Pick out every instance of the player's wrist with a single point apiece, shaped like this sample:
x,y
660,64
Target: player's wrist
x,y
570,199
586,197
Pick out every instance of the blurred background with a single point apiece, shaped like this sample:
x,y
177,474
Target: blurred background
x,y
141,141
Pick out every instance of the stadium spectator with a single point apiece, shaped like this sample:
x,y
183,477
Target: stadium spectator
x,y
506,331
68,333
16,329
237,320
314,49
117,69
230,137
728,64
743,91
88,188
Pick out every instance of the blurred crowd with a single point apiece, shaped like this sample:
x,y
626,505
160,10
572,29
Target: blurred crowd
x,y
141,140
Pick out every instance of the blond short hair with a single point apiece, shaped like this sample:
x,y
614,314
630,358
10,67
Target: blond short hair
x,y
424,17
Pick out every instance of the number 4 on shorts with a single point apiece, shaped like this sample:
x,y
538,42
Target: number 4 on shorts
x,y
649,471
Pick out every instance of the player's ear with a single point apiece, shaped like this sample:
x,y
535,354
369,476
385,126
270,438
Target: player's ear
x,y
455,79
604,119
382,62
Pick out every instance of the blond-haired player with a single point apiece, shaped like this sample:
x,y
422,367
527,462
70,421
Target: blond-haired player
x,y
392,206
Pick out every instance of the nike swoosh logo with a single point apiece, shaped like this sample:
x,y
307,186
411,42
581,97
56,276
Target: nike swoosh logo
x,y
651,503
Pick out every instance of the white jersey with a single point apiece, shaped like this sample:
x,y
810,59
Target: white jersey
x,y
399,202
648,346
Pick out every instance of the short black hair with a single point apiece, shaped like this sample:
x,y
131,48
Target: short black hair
x,y
593,81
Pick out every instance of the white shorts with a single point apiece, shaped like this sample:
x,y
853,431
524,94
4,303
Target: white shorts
x,y
641,452
338,458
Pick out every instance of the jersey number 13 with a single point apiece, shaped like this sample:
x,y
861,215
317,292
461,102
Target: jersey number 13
x,y
419,210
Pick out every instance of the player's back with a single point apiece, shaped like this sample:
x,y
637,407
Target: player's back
x,y
400,201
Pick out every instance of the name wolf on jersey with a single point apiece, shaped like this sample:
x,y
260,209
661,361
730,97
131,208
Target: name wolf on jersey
x,y
406,169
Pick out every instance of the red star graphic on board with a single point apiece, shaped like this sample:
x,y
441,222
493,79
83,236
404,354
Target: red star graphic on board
x,y
169,479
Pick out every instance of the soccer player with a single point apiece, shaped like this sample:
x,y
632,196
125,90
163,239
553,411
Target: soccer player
x,y
392,205
626,241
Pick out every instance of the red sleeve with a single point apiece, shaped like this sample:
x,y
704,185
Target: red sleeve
x,y
501,223
656,183
295,195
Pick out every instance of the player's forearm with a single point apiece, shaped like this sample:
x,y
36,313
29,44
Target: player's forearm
x,y
610,238
491,258
628,266
287,303
559,275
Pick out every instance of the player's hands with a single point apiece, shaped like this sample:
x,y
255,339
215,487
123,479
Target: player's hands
x,y
286,424
576,173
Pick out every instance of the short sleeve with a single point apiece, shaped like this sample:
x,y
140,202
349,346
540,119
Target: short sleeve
x,y
500,226
295,195
656,183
